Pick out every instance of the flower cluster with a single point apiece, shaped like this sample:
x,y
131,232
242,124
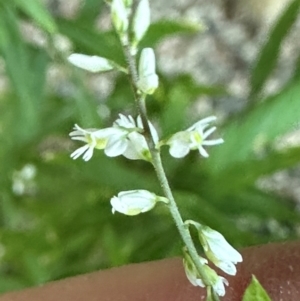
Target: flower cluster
x,y
126,138
215,281
219,252
123,138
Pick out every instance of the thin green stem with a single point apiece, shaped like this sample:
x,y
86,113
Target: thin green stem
x,y
159,169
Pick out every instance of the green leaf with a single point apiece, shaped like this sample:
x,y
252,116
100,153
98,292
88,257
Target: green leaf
x,y
8,283
255,292
270,52
19,69
89,11
91,41
243,174
164,28
36,10
261,204
254,130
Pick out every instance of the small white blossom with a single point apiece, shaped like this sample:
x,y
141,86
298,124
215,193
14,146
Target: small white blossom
x,y
90,63
214,280
134,202
193,138
89,136
137,148
148,79
123,138
217,249
113,140
119,16
141,21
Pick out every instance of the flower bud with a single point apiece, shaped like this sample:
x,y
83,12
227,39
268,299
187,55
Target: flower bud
x,y
191,270
214,281
217,249
141,21
134,202
119,16
148,79
90,63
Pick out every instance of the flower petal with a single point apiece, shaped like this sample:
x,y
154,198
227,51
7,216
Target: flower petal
x,y
179,149
137,148
220,247
213,142
227,266
202,122
203,152
219,287
208,132
125,122
88,154
116,146
78,152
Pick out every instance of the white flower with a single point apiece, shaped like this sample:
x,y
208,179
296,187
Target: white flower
x,y
90,63
148,79
134,202
119,16
89,136
214,280
141,21
217,249
193,138
137,147
113,140
124,138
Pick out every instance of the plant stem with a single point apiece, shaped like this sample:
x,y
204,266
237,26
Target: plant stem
x,y
159,169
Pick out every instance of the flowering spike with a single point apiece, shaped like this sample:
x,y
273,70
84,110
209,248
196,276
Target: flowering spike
x,y
148,79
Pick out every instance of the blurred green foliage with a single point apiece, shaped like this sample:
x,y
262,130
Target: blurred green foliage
x,y
60,224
